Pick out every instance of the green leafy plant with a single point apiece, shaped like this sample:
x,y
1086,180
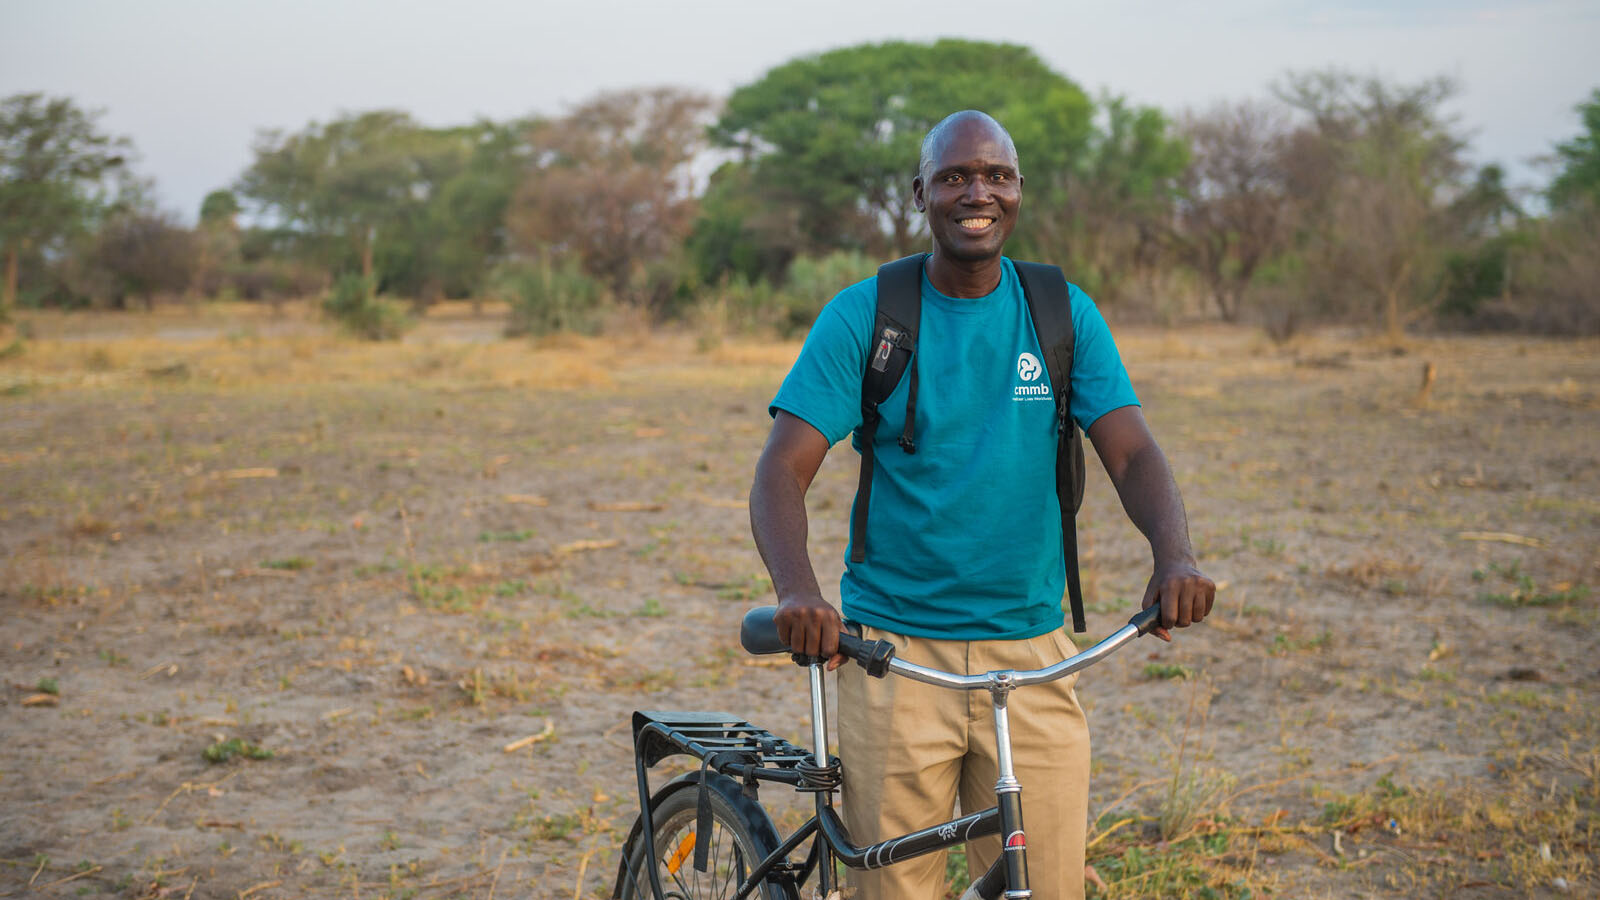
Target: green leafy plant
x,y
354,304
222,751
547,297
1167,671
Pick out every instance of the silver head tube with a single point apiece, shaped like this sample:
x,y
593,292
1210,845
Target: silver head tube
x,y
819,714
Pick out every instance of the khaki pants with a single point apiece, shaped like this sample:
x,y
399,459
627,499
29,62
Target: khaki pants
x,y
911,749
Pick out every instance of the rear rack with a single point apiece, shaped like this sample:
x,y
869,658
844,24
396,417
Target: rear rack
x,y
727,744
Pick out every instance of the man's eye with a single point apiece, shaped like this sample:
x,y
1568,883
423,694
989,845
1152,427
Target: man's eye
x,y
999,176
952,179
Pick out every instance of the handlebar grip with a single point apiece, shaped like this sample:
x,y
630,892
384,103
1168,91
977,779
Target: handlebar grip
x,y
874,656
1146,619
759,634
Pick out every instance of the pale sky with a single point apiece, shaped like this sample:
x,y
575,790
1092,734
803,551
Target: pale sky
x,y
192,82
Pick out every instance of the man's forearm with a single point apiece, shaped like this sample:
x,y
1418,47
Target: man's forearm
x,y
778,522
1150,496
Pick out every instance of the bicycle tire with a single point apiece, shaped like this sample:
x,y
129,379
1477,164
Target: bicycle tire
x,y
741,836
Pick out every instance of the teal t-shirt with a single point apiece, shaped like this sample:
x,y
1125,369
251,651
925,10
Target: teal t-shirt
x,y
965,534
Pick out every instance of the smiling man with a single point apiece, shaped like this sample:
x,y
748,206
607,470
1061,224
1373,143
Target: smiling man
x,y
966,570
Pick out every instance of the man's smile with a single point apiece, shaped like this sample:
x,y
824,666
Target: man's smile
x,y
975,223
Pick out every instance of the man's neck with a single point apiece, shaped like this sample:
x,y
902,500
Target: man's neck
x,y
963,279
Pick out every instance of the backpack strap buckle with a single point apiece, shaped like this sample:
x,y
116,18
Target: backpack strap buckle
x,y
888,340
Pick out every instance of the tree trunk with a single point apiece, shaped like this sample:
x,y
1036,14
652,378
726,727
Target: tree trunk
x,y
1392,326
8,301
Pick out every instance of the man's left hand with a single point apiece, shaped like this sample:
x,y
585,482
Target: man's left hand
x,y
1185,596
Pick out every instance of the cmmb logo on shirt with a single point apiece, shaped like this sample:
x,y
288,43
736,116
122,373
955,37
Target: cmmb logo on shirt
x,y
1028,370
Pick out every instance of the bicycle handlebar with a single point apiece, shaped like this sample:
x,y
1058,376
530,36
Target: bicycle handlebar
x,y
758,633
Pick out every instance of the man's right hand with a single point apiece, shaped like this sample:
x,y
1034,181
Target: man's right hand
x,y
810,625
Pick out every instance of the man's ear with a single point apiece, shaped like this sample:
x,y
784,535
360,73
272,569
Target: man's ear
x,y
916,194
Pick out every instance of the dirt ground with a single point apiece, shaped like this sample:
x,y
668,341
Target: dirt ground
x,y
428,583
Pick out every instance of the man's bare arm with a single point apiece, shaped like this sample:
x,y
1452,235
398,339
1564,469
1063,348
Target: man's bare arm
x,y
790,460
1150,496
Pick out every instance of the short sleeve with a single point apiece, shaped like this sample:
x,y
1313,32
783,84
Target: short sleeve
x,y
824,386
1100,383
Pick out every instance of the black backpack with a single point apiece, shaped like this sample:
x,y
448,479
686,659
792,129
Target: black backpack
x,y
894,342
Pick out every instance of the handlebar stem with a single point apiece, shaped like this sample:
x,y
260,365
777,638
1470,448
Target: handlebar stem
x,y
819,713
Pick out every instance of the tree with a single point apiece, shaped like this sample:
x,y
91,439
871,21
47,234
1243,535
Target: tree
x,y
1578,182
53,166
832,139
610,183
1234,209
217,241
220,207
1380,164
462,232
1103,209
738,233
346,182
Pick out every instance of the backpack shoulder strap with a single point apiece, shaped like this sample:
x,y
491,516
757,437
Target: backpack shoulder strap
x,y
894,338
1050,307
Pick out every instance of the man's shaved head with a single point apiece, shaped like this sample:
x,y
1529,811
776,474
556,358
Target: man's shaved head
x,y
934,141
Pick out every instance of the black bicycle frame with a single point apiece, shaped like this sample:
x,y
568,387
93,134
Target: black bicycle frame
x,y
874,856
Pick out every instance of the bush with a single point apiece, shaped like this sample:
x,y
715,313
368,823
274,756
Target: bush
x,y
353,304
813,281
1543,279
272,280
735,305
547,296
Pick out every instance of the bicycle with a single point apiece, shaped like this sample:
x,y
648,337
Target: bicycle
x,y
742,853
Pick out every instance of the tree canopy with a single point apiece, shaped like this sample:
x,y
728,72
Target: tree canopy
x,y
53,166
610,183
835,137
350,179
1579,178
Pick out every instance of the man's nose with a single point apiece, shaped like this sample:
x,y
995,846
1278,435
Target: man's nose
x,y
979,191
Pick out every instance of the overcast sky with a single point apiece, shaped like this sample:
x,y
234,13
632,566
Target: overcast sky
x,y
192,82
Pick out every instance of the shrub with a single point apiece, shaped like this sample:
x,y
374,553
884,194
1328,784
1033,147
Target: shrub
x,y
813,281
354,304
548,296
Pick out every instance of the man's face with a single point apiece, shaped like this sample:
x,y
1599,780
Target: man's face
x,y
972,191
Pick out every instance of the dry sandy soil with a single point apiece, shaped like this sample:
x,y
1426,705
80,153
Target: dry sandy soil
x,y
387,566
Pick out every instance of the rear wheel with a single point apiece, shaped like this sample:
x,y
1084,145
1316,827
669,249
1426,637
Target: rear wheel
x,y
740,838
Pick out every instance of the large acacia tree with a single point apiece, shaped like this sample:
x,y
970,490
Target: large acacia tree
x,y
54,162
833,139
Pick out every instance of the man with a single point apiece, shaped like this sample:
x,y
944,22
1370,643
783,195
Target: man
x,y
965,570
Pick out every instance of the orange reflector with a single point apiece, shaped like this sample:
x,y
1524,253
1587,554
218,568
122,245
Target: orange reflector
x,y
685,847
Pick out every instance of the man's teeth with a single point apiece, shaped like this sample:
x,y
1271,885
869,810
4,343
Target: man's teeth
x,y
974,223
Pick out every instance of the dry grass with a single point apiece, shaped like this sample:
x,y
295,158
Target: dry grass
x,y
387,563
240,345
